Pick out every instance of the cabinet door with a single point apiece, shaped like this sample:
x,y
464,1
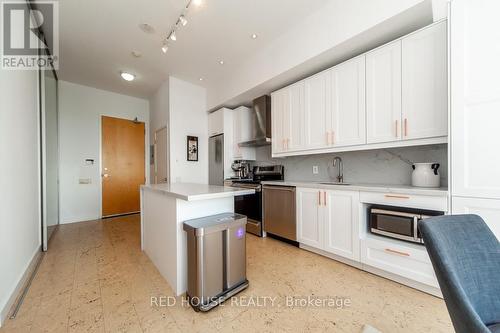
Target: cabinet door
x,y
317,111
216,123
348,103
294,118
236,134
383,94
278,102
309,217
475,99
342,223
424,83
488,209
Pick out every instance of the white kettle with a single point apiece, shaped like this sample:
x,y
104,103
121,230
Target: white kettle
x,y
425,175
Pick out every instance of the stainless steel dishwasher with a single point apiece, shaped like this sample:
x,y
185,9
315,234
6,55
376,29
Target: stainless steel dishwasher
x,y
279,211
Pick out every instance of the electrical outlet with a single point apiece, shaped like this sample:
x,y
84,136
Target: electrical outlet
x,y
315,170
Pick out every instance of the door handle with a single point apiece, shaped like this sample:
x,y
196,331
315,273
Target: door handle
x,y
105,175
319,198
406,127
397,252
324,198
397,131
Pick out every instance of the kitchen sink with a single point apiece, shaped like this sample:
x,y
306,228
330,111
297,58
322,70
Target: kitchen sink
x,y
335,183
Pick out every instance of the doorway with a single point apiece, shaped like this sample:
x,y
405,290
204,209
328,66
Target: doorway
x,y
161,156
123,165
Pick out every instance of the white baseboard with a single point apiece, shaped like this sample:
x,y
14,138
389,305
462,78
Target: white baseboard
x,y
16,293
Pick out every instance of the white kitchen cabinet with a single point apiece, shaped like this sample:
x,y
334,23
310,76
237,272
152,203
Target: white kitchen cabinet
x,y
342,223
242,131
348,103
328,220
383,94
424,83
216,122
318,115
279,99
475,99
488,209
310,214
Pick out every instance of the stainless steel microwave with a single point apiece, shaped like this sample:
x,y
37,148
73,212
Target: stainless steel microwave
x,y
399,223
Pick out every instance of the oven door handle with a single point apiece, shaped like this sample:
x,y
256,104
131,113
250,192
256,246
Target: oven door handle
x,y
279,188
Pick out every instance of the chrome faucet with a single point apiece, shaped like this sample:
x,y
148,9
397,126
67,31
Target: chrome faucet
x,y
337,162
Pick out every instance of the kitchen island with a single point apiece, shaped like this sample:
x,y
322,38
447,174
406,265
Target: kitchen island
x,y
164,207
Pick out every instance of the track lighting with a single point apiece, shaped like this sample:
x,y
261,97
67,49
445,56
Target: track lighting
x,y
183,20
164,47
172,36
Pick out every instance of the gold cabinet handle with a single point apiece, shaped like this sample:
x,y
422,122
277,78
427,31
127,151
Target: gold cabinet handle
x,y
396,196
406,127
397,130
333,137
397,252
324,198
319,198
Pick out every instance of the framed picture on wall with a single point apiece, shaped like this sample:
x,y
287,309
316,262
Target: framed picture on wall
x,y
192,148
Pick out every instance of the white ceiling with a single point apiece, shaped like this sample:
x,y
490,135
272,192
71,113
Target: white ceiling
x,y
97,38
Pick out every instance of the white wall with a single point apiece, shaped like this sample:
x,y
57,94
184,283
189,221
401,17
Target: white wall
x,y
80,111
20,222
187,116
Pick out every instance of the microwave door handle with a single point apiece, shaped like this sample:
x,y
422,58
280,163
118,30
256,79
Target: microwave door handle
x,y
415,228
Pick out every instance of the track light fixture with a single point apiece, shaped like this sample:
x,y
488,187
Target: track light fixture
x,y
181,22
164,47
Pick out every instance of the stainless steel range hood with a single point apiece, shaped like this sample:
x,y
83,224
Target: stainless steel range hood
x,y
261,123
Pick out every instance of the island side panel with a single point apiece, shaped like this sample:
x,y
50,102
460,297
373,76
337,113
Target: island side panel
x,y
187,210
159,233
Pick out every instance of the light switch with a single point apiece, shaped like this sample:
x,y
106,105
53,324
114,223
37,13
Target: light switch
x,y
315,169
85,181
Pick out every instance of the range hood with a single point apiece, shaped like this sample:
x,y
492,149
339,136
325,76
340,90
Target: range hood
x,y
261,123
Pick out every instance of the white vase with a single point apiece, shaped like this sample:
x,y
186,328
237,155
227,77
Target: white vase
x,y
425,175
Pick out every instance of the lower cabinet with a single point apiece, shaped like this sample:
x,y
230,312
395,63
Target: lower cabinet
x,y
488,209
329,220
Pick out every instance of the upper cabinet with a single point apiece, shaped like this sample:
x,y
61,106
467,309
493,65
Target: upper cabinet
x,y
393,96
424,83
242,131
348,103
216,122
383,94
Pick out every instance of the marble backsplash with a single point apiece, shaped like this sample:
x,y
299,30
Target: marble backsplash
x,y
381,166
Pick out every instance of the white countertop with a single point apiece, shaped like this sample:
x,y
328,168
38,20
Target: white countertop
x,y
402,189
192,192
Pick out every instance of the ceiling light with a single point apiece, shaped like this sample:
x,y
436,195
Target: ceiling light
x,y
254,36
221,62
183,20
197,2
127,76
164,47
136,54
172,36
201,79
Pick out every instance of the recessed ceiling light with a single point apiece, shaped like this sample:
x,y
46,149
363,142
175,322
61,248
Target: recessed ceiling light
x,y
197,2
254,36
201,79
146,28
172,36
127,76
221,62
164,47
136,54
183,20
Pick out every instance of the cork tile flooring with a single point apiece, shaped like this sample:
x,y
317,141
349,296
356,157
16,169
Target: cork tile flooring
x,y
95,278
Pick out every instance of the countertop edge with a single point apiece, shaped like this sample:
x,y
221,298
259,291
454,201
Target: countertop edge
x,y
198,197
438,192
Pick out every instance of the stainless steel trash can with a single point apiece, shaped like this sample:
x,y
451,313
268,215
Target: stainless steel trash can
x,y
216,249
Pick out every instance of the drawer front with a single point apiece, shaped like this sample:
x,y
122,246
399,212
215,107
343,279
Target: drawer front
x,y
406,200
402,260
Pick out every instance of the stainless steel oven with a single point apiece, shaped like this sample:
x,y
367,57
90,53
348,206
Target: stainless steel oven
x,y
399,223
251,206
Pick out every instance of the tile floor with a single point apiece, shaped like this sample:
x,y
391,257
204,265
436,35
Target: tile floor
x,y
96,279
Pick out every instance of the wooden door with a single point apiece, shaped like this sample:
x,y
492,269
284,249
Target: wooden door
x,y
348,103
310,217
123,165
383,94
317,111
341,223
425,83
161,156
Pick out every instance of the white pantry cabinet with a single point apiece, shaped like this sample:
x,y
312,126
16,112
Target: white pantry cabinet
x,y
348,103
242,131
425,83
383,94
488,209
328,220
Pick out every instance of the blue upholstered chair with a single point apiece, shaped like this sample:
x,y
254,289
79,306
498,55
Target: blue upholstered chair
x,y
466,258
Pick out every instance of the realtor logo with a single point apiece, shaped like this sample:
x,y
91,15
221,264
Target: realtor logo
x,y
30,35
